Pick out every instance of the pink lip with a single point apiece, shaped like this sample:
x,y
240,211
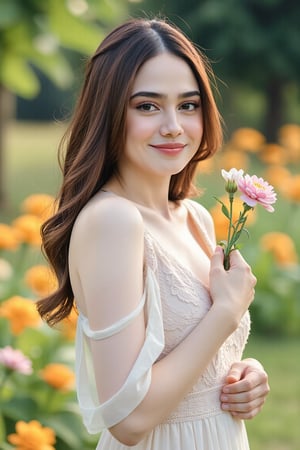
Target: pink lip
x,y
171,147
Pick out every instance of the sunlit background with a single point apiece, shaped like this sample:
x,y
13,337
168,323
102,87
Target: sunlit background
x,y
254,49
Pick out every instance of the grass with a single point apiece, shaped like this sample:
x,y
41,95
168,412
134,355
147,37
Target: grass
x,y
30,162
277,426
31,167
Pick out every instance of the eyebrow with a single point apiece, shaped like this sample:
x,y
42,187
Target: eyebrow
x,y
158,95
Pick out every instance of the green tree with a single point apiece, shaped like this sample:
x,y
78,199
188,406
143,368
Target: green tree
x,y
253,42
36,33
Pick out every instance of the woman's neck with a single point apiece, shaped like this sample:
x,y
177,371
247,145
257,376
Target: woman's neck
x,y
152,196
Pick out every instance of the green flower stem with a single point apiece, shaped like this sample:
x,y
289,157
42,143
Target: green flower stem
x,y
3,381
237,229
228,249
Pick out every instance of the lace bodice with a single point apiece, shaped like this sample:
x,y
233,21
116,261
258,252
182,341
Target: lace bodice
x,y
175,302
185,301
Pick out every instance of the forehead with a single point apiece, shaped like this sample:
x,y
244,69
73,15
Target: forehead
x,y
163,73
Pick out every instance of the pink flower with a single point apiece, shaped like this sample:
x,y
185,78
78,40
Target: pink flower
x,y
256,190
15,360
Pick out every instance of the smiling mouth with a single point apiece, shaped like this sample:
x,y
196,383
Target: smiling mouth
x,y
170,148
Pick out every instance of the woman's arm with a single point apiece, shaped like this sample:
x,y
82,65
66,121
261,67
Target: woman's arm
x,y
112,286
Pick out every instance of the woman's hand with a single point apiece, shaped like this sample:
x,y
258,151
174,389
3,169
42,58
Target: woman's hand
x,y
245,390
231,290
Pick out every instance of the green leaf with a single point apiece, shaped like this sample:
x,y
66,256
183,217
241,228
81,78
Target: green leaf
x,y
2,429
17,76
20,407
10,13
72,31
55,66
224,208
65,423
225,211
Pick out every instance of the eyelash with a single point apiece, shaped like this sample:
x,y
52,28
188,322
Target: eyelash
x,y
143,106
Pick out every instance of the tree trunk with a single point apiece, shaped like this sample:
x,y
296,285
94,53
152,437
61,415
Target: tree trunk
x,y
274,110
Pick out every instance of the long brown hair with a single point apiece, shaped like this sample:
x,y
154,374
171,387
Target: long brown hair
x,y
96,136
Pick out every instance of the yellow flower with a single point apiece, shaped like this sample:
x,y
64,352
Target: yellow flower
x,y
58,376
273,154
281,246
68,325
291,188
247,139
41,280
28,227
221,222
41,205
21,312
8,237
32,436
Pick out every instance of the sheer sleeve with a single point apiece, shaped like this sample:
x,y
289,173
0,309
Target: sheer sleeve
x,y
98,416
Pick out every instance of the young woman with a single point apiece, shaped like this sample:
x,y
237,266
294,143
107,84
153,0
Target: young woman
x,y
161,325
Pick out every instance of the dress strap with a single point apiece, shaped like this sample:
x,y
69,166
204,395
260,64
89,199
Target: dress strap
x,y
115,327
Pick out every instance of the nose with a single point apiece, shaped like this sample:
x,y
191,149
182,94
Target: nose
x,y
170,125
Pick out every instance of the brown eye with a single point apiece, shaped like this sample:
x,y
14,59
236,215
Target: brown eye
x,y
147,107
189,106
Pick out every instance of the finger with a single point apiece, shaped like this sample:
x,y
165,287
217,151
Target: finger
x,y
246,383
244,410
235,373
244,397
218,256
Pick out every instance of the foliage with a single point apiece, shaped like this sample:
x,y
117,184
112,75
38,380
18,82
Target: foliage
x,y
35,34
37,395
248,41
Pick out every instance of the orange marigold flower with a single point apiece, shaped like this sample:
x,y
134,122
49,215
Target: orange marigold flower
x,y
205,166
281,246
58,376
247,139
68,325
289,137
21,313
291,188
41,205
233,158
32,436
273,154
277,175
221,222
28,227
8,237
41,280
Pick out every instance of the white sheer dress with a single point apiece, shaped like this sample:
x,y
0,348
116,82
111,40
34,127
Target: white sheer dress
x,y
175,301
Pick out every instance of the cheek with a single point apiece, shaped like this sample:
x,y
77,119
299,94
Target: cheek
x,y
195,129
139,130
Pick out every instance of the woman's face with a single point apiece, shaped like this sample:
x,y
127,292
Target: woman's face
x,y
164,118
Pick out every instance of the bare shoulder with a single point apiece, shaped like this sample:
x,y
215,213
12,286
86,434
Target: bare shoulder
x,y
109,217
202,213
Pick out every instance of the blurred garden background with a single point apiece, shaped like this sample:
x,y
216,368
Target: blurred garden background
x,y
255,53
